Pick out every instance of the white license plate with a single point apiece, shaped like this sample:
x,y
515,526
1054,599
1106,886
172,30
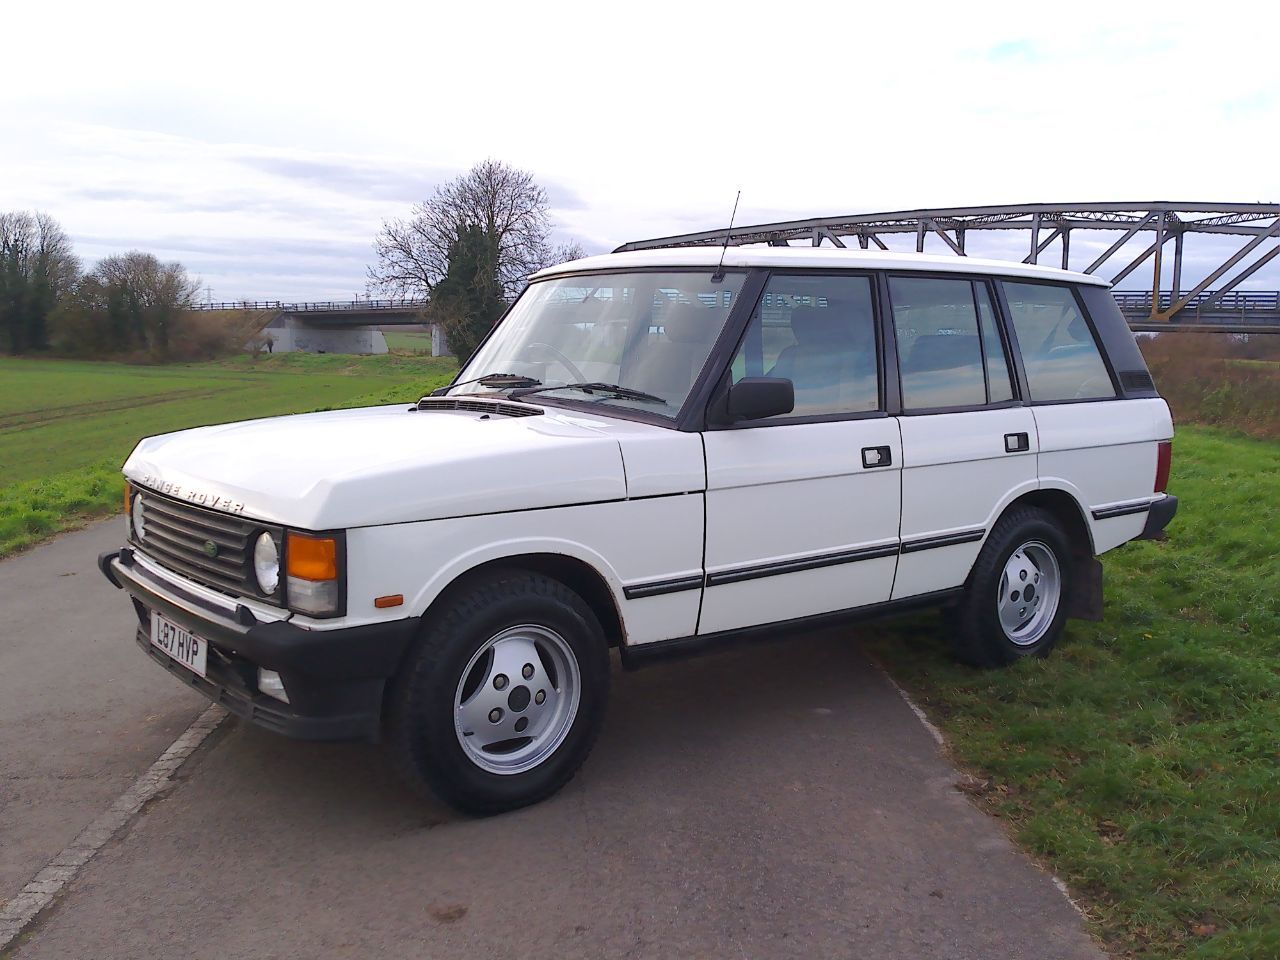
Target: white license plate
x,y
181,644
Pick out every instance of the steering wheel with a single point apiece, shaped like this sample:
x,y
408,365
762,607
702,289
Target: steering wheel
x,y
578,375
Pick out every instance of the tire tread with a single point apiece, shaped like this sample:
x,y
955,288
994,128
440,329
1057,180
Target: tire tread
x,y
418,756
975,632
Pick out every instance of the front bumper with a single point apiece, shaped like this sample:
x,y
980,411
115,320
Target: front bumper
x,y
334,678
1158,517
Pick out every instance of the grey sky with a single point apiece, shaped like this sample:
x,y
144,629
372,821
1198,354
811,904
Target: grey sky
x,y
263,144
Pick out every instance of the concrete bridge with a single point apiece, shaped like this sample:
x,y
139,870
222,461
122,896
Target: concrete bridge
x,y
333,326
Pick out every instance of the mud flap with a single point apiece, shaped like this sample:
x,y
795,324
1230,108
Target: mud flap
x,y
1085,601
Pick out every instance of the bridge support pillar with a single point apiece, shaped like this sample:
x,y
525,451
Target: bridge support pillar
x,y
291,334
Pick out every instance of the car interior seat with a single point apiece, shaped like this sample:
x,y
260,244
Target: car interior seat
x,y
832,363
666,361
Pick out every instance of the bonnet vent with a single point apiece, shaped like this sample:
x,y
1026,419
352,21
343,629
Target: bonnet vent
x,y
498,407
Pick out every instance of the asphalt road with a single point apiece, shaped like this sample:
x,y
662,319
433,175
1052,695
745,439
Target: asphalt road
x,y
78,719
774,801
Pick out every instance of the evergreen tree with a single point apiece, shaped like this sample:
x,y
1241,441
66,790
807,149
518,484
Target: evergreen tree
x,y
13,294
468,299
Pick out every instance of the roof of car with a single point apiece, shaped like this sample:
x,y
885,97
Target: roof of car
x,y
813,257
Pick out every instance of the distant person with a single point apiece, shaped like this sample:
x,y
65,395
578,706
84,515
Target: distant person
x,y
270,345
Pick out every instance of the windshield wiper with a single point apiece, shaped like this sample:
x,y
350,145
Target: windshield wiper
x,y
491,380
612,389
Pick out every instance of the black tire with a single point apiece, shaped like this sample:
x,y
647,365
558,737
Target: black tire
x,y
421,727
977,635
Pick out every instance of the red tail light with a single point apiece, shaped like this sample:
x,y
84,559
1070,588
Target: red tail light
x,y
1163,457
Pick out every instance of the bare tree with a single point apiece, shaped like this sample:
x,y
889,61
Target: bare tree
x,y
564,253
505,203
128,301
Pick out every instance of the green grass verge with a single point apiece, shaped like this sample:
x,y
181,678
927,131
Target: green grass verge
x,y
67,426
408,341
38,509
1141,760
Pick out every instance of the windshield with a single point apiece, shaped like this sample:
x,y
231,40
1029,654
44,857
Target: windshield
x,y
649,333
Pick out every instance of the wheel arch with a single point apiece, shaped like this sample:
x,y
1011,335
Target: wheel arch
x,y
1066,509
574,572
1084,599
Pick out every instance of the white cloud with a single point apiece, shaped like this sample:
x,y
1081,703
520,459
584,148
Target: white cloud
x,y
263,125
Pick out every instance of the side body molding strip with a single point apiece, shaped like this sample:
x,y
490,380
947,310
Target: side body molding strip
x,y
777,568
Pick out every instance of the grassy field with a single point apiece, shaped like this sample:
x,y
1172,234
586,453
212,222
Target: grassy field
x,y
66,426
1142,759
408,341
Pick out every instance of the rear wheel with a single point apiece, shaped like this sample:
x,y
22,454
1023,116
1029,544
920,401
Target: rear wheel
x,y
503,696
1014,604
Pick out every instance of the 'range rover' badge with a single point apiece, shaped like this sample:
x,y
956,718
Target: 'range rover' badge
x,y
210,549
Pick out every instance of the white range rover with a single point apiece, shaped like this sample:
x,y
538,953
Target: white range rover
x,y
657,452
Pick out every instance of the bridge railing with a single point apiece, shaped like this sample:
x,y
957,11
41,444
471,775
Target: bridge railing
x,y
316,306
1237,302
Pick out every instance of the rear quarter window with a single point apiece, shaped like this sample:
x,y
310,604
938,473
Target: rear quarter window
x,y
1061,357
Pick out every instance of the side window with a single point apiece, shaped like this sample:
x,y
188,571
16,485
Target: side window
x,y
1058,350
940,355
999,381
819,333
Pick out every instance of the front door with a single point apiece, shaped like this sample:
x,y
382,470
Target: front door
x,y
803,509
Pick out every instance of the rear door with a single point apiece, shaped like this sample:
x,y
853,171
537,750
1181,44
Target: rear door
x,y
802,510
1100,448
968,444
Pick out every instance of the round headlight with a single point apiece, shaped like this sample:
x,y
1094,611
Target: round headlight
x,y
139,521
266,563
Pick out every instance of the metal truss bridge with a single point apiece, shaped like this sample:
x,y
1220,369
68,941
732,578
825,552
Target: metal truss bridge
x,y
1211,304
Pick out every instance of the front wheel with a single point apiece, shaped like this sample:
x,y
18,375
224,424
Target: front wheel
x,y
502,698
1014,604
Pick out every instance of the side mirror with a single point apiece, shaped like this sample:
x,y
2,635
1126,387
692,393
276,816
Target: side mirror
x,y
754,398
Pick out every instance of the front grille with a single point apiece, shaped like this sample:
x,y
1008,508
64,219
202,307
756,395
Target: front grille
x,y
176,535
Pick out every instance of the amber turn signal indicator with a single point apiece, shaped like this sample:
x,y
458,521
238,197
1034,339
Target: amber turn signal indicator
x,y
128,499
392,600
311,558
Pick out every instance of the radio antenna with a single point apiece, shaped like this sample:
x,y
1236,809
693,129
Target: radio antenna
x,y
719,274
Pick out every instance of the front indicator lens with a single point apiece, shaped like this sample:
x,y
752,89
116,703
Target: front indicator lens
x,y
316,597
266,563
312,567
312,558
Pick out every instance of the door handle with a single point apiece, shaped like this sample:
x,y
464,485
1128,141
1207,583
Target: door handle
x,y
876,457
1016,443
